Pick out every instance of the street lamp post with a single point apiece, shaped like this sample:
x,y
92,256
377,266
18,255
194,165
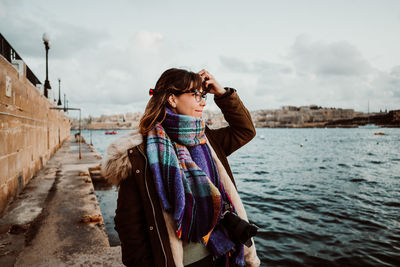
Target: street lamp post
x,y
90,128
47,86
65,107
59,92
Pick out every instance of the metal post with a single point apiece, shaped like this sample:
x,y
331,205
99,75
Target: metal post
x,y
2,45
47,83
59,92
47,60
80,135
90,129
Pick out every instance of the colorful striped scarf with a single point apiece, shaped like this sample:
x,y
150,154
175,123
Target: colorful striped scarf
x,y
188,183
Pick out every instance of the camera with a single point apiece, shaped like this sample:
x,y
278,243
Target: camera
x,y
239,230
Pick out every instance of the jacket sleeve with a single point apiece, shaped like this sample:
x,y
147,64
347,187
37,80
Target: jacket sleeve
x,y
131,226
241,128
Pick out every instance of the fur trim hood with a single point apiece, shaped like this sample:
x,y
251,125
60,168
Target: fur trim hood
x,y
116,166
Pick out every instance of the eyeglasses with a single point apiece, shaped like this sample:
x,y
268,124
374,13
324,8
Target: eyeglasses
x,y
197,94
200,95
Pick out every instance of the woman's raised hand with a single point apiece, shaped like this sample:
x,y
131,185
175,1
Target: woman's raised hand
x,y
211,84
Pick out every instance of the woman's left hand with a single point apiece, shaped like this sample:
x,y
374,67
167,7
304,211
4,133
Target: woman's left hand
x,y
211,84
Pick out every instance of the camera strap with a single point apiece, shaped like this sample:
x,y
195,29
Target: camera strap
x,y
226,207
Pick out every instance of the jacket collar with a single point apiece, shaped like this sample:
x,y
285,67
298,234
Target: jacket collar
x,y
115,167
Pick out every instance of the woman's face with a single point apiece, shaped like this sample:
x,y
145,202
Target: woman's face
x,y
186,104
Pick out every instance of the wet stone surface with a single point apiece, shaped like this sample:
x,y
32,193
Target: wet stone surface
x,y
43,226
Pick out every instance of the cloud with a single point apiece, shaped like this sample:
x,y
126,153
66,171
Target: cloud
x,y
25,26
107,77
388,84
237,65
106,72
395,72
92,67
325,59
116,78
269,77
2,8
27,44
315,72
70,40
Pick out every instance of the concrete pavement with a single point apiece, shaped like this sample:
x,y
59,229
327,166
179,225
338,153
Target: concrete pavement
x,y
56,220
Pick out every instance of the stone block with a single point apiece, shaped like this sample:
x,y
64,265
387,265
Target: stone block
x,y
3,198
12,164
7,192
3,170
28,174
12,188
19,139
10,143
3,142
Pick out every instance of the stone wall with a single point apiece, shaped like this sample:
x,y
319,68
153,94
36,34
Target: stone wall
x,y
30,132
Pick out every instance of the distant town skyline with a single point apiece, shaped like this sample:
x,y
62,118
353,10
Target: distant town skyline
x,y
276,53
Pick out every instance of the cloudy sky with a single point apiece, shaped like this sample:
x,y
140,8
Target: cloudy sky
x,y
109,53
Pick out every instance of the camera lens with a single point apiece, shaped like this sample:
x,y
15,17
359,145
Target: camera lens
x,y
239,230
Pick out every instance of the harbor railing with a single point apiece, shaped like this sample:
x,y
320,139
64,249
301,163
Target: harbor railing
x,y
9,53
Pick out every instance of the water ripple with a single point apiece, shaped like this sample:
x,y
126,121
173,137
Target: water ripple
x,y
376,162
343,165
357,180
332,202
261,172
392,204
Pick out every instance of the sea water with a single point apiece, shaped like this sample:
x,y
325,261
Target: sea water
x,y
319,196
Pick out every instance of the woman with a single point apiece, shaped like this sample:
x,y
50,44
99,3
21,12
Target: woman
x,y
174,178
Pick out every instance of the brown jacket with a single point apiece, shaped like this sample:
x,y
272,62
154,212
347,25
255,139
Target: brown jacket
x,y
139,218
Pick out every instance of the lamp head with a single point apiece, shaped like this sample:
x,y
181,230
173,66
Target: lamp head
x,y
46,39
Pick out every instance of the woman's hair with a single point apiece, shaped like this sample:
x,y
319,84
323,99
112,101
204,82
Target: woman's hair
x,y
172,80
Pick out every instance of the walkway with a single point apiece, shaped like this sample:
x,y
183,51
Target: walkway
x,y
56,220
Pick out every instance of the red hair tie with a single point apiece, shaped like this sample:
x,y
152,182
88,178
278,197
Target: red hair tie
x,y
151,91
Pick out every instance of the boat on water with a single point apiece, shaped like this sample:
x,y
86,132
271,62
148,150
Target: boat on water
x,y
111,132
